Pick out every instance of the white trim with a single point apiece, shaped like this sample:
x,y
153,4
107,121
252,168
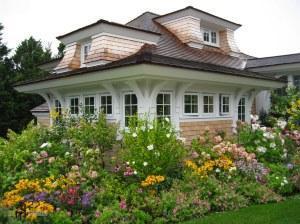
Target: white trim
x,y
69,104
179,19
82,48
123,106
171,103
95,102
210,43
123,37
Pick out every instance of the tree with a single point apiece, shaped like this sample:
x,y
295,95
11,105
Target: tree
x,y
15,107
60,48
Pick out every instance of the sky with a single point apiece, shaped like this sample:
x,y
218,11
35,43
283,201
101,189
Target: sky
x,y
269,27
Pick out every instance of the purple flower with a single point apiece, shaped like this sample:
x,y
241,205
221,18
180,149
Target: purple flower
x,y
86,199
290,166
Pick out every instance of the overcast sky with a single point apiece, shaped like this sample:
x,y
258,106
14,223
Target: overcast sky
x,y
269,27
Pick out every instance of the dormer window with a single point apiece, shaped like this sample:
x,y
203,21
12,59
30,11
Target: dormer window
x,y
210,37
85,49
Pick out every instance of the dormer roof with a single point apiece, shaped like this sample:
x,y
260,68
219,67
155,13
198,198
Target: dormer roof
x,y
207,18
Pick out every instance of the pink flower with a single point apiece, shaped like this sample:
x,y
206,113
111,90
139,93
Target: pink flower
x,y
51,159
123,204
218,139
97,214
195,155
44,154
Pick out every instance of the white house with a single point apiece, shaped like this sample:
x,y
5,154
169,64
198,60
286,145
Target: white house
x,y
184,65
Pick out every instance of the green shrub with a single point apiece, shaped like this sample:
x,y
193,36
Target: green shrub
x,y
151,148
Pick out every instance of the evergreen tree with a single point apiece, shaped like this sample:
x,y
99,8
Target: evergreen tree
x,y
15,107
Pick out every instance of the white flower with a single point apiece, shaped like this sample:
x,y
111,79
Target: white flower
x,y
145,164
276,178
285,181
167,119
181,139
231,169
229,177
255,126
143,128
134,135
150,147
261,149
263,128
133,162
135,172
157,153
67,154
168,135
268,135
257,142
150,127
44,145
34,153
282,184
127,163
281,124
254,118
273,145
218,170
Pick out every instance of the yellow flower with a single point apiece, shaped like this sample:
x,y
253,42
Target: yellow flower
x,y
152,180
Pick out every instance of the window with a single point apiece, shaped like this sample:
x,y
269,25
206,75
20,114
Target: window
x,y
131,107
191,104
85,49
208,104
163,105
74,105
224,104
106,104
89,105
210,37
242,109
297,81
57,107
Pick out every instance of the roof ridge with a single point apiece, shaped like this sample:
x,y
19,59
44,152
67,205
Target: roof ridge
x,y
142,15
276,56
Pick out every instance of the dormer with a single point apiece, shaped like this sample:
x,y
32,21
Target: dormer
x,y
100,43
198,29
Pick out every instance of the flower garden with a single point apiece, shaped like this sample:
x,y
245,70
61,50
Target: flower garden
x,y
77,172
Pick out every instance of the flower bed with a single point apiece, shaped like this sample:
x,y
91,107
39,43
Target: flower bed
x,y
60,174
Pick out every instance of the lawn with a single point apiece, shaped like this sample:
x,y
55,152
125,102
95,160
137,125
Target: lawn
x,y
287,212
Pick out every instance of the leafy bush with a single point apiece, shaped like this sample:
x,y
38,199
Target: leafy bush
x,y
151,148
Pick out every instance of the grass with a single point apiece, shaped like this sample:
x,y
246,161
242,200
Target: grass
x,y
287,212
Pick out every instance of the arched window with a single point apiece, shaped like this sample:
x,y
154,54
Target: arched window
x,y
57,107
242,109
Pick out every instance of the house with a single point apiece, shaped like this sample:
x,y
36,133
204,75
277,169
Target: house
x,y
184,65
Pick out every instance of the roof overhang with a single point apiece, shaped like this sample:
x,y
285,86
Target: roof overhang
x,y
196,13
149,71
279,68
103,26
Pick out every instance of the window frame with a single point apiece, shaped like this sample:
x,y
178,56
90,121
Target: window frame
x,y
214,105
163,104
198,104
124,107
82,53
221,103
100,103
296,81
70,105
209,42
95,104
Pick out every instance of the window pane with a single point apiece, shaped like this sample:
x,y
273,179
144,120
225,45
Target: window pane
x,y
103,99
187,99
134,110
167,98
194,99
109,100
127,99
211,108
167,110
195,109
211,99
159,99
205,99
109,110
127,110
187,109
159,110
214,37
103,109
205,108
133,99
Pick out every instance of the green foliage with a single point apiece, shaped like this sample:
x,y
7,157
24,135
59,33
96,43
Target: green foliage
x,y
60,48
60,218
151,148
23,65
